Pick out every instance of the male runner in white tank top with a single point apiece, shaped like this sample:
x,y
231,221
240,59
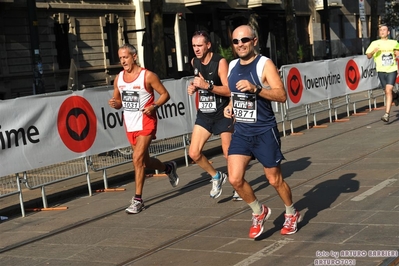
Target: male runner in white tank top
x,y
134,90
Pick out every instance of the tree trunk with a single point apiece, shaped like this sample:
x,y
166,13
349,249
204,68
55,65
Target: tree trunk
x,y
291,32
374,20
157,37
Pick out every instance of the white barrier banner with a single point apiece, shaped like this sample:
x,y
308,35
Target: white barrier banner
x,y
316,81
174,118
361,74
42,130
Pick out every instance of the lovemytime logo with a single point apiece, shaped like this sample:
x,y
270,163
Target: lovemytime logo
x,y
294,85
77,124
352,75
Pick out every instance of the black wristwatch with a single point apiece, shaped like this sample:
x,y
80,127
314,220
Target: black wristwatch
x,y
210,87
258,89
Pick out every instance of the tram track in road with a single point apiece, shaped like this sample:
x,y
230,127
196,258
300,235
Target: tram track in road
x,y
190,186
238,212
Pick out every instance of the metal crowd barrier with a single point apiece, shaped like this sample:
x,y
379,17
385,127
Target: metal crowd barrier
x,y
377,93
106,160
318,107
110,159
338,102
332,105
39,178
11,185
294,113
359,97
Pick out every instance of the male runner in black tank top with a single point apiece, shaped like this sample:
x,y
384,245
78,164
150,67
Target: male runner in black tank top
x,y
210,84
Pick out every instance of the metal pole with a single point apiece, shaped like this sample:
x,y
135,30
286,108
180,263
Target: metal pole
x,y
38,83
327,29
362,17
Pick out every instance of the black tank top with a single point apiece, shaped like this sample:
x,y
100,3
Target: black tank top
x,y
210,72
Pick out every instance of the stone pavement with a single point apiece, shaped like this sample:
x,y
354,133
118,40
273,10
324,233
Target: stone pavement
x,y
344,180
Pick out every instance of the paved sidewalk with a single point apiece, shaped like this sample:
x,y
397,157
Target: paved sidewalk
x,y
344,179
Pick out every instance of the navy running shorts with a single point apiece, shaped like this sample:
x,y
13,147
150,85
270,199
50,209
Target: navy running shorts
x,y
266,148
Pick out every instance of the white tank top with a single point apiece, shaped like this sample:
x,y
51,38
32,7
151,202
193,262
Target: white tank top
x,y
135,97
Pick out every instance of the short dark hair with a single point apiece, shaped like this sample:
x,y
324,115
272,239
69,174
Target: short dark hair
x,y
204,34
383,25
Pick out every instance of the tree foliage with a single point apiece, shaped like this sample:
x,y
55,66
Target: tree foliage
x,y
391,16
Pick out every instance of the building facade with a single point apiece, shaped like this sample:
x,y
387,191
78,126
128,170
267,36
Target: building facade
x,y
72,44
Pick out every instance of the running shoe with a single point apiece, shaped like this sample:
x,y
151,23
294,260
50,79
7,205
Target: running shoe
x,y
217,185
173,177
136,206
291,223
258,221
385,117
236,197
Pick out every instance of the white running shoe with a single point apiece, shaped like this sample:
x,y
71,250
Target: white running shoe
x,y
236,197
217,185
136,206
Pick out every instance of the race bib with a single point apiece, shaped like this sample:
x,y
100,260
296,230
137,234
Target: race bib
x,y
207,101
130,101
387,59
244,107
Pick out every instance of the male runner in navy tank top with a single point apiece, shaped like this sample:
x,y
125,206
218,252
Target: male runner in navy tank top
x,y
210,84
254,82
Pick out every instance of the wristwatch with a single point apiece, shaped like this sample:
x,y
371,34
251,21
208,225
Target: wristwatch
x,y
210,87
155,106
258,89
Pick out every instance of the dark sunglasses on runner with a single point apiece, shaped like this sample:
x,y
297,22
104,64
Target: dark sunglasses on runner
x,y
243,40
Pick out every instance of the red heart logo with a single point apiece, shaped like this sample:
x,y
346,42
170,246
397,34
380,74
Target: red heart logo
x,y
77,124
352,75
295,86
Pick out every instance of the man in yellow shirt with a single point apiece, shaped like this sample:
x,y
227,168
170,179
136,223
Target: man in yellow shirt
x,y
382,52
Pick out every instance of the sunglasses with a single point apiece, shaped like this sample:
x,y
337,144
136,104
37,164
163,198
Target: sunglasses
x,y
243,40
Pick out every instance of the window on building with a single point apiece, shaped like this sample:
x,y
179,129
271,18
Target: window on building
x,y
62,45
112,42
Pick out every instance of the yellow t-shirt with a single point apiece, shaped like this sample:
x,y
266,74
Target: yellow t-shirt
x,y
384,58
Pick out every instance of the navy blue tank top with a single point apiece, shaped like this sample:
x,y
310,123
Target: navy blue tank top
x,y
254,114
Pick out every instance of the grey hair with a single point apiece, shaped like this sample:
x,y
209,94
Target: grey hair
x,y
130,47
132,50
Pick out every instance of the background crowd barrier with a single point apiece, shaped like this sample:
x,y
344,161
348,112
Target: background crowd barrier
x,y
44,176
109,159
51,147
11,185
338,102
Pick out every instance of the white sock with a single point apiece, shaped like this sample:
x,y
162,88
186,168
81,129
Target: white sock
x,y
256,207
290,210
